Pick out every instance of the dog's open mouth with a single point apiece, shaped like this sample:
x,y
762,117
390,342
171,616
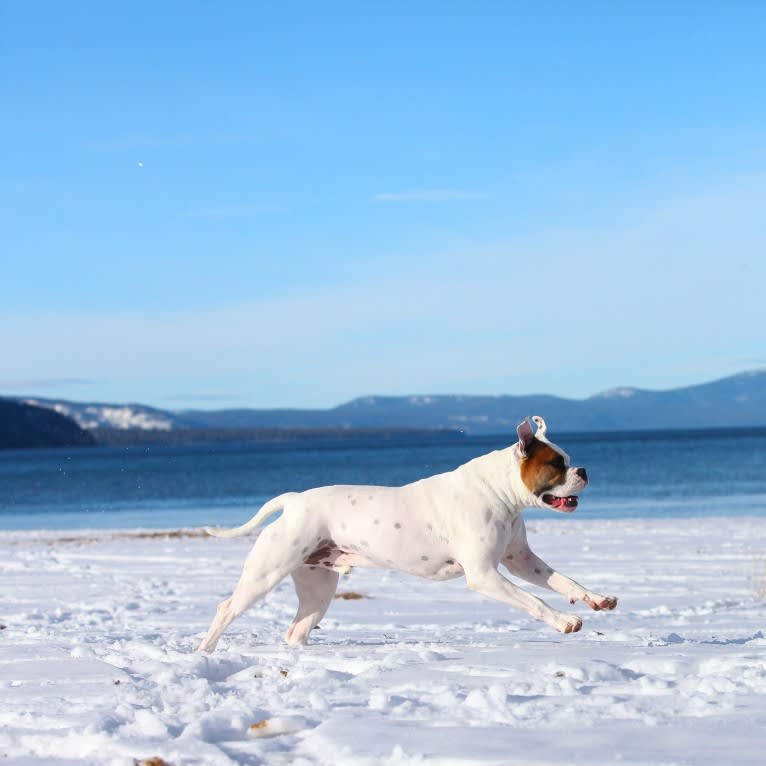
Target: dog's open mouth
x,y
561,503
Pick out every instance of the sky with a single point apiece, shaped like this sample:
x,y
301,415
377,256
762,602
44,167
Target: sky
x,y
210,205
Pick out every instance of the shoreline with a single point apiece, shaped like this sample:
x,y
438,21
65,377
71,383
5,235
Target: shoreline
x,y
545,518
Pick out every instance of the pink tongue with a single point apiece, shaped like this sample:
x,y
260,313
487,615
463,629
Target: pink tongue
x,y
564,502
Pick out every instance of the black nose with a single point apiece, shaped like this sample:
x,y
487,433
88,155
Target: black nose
x,y
582,473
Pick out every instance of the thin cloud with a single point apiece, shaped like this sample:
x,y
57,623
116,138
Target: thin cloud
x,y
134,143
233,211
9,385
428,195
202,397
352,341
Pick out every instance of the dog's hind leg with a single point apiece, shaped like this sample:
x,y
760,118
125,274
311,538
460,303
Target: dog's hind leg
x,y
267,564
223,618
315,588
249,590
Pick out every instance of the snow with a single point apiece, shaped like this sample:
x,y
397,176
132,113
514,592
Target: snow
x,y
617,393
470,418
108,416
97,660
123,417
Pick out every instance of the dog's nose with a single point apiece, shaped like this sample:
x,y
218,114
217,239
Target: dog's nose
x,y
582,473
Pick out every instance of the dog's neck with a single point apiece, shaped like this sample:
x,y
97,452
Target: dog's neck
x,y
500,471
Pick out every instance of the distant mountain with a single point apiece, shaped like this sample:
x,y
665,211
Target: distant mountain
x,y
739,400
24,425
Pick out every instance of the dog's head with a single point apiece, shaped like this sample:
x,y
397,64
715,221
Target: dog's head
x,y
545,470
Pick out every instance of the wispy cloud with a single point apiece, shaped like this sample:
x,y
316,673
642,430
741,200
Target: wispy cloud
x,y
234,211
442,322
30,383
202,397
428,195
137,142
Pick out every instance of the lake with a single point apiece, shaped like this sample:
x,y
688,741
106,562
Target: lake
x,y
676,474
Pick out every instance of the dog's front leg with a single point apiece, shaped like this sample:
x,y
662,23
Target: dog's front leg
x,y
522,562
489,582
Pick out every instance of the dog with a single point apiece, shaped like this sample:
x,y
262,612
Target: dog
x,y
463,523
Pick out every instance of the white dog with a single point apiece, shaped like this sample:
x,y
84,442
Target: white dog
x,y
462,523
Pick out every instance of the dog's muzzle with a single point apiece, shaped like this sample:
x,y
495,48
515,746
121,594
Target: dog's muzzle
x,y
566,503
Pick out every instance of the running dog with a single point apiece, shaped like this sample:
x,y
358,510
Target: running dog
x,y
463,523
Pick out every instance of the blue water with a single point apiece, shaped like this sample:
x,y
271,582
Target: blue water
x,y
677,474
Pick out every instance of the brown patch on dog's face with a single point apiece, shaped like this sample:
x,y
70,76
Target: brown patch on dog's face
x,y
542,468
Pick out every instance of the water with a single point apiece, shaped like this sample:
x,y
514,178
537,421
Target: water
x,y
678,474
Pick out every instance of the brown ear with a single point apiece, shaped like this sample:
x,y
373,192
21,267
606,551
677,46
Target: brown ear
x,y
524,430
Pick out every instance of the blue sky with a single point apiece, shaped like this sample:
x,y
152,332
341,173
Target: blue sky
x,y
292,204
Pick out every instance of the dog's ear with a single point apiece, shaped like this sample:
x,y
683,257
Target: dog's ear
x,y
524,430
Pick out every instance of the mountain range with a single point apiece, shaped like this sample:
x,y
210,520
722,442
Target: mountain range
x,y
735,401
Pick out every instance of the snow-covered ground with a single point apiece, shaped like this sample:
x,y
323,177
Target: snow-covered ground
x,y
97,660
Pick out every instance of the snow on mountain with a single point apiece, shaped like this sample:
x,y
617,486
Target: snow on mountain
x,y
623,392
116,416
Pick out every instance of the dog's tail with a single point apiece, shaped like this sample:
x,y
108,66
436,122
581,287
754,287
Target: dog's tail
x,y
267,510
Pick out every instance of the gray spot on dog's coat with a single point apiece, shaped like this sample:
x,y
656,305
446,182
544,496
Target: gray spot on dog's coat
x,y
397,525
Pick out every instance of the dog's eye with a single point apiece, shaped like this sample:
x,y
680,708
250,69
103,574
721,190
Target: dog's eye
x,y
557,462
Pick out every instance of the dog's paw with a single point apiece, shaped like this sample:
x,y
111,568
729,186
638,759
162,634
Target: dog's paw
x,y
298,633
568,623
597,603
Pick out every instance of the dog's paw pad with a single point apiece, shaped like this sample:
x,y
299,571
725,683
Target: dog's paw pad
x,y
597,603
569,623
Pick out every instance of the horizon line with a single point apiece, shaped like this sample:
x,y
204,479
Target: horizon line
x,y
614,389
